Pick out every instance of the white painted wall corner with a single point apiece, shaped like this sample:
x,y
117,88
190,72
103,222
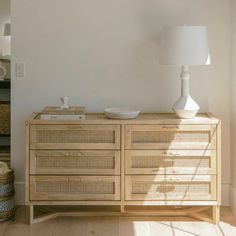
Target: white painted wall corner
x,y
20,193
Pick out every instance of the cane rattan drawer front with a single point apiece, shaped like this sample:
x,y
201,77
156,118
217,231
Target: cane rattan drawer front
x,y
171,187
170,137
75,137
74,188
170,162
80,162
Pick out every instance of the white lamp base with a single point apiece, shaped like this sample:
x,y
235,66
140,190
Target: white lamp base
x,y
185,107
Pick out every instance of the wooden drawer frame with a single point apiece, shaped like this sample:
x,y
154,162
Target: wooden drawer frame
x,y
122,144
34,195
82,154
171,128
170,179
174,154
36,145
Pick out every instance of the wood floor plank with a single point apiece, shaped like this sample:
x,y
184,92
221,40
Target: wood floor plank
x,y
176,227
227,229
125,226
19,226
119,226
196,228
103,226
227,224
3,227
141,226
19,229
71,226
207,229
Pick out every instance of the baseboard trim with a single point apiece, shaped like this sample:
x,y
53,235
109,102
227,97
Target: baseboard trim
x,y
226,194
233,199
20,193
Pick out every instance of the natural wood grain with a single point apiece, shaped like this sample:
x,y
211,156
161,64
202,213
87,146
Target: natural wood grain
x,y
27,163
74,136
122,173
216,209
216,214
170,203
19,226
75,162
84,188
59,176
76,203
165,187
170,137
71,227
3,227
105,226
196,162
143,118
122,226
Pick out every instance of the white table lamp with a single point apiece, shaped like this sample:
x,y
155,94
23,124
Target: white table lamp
x,y
185,46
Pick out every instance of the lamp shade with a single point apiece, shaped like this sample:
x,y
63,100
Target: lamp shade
x,y
7,29
184,45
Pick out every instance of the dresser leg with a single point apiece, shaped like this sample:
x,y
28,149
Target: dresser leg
x,y
122,208
30,214
216,214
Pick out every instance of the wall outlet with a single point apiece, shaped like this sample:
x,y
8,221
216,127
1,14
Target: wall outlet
x,y
20,69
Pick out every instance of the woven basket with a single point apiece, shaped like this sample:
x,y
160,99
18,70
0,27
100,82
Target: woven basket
x,y
7,208
5,157
7,203
5,127
5,118
4,111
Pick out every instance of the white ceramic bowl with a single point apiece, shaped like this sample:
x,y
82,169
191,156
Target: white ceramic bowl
x,y
122,113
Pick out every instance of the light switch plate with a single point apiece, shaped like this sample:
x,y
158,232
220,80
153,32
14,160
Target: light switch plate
x,y
20,69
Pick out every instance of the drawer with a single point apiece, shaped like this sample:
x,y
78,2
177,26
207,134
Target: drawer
x,y
170,162
75,137
170,137
171,187
82,162
74,188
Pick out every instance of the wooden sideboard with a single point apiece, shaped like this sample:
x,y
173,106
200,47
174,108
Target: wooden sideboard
x,y
144,166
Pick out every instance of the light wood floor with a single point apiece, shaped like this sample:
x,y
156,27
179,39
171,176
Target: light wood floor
x,y
119,226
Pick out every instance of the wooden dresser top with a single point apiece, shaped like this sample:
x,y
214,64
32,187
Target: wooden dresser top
x,y
143,118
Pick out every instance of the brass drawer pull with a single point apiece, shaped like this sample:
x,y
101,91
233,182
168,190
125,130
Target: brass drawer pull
x,y
74,127
171,153
174,154
170,127
172,179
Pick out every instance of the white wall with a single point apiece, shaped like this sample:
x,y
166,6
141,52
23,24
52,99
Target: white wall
x,y
105,53
233,110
